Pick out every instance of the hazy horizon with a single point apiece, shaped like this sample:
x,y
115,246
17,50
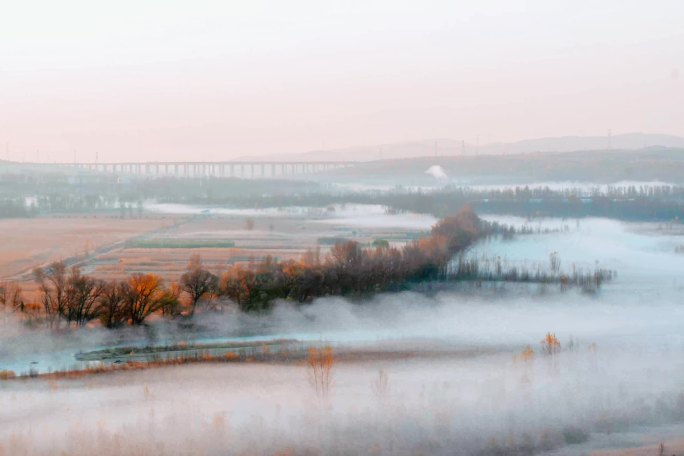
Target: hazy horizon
x,y
342,227
215,81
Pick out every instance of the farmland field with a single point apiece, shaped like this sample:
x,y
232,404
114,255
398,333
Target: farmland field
x,y
162,241
32,242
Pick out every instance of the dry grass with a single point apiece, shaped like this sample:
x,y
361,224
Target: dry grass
x,y
320,363
7,375
30,242
381,386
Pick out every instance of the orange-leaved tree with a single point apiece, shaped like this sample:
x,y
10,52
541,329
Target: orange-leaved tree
x,y
550,344
145,296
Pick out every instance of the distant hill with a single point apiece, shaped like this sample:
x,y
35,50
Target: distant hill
x,y
626,141
442,147
599,166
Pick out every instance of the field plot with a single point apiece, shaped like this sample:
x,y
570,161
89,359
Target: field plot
x,y
113,247
170,263
227,239
31,242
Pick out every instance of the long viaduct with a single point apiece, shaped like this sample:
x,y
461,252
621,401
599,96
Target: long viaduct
x,y
244,169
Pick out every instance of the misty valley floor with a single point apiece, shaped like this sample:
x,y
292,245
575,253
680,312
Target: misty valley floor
x,y
486,404
416,374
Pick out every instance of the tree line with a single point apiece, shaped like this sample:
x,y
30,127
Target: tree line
x,y
67,297
31,195
638,203
483,269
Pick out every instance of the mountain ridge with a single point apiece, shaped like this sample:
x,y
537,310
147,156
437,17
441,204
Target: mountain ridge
x,y
443,147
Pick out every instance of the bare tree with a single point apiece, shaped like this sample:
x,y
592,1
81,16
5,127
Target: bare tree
x,y
170,304
197,282
555,262
11,296
52,283
381,386
82,294
111,303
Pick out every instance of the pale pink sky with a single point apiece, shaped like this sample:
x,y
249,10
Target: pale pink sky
x,y
191,80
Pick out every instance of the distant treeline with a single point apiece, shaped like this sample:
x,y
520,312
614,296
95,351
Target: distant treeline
x,y
663,203
16,208
30,195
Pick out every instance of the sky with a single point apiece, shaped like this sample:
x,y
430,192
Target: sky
x,y
214,80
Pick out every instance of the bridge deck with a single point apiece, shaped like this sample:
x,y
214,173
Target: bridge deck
x,y
247,169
